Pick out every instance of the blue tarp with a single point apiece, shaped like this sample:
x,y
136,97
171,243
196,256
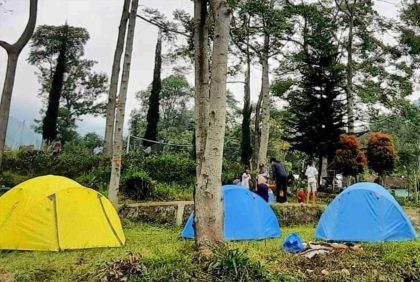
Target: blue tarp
x,y
365,212
247,216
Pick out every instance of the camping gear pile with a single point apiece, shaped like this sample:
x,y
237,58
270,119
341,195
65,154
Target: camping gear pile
x,y
54,213
294,244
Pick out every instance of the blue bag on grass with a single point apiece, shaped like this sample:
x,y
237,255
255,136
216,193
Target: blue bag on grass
x,y
293,243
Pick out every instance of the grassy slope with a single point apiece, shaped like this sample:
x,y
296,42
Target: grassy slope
x,y
161,248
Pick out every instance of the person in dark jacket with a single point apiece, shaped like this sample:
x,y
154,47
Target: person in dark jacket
x,y
280,177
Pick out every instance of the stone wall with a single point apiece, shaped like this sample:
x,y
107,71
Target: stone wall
x,y
158,212
178,212
297,214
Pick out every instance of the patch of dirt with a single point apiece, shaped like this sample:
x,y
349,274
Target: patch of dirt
x,y
7,277
338,266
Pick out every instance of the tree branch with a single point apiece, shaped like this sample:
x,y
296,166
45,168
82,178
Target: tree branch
x,y
30,26
5,45
163,27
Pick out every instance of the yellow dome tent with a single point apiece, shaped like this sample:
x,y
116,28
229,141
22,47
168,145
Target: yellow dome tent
x,y
53,213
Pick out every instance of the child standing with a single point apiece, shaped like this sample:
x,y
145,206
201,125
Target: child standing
x,y
246,176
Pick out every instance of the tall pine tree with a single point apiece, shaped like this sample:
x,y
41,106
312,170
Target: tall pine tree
x,y
317,107
153,112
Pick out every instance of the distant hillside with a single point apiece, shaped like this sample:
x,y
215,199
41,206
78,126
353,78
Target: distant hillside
x,y
20,133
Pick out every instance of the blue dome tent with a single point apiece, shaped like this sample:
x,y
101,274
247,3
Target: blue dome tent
x,y
364,212
247,216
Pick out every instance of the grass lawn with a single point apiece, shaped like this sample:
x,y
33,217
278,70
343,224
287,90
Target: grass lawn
x,y
169,258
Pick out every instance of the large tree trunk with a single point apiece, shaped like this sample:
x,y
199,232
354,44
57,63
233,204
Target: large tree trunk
x,y
13,51
202,78
120,114
153,112
49,123
320,167
6,97
208,200
257,131
265,104
115,75
246,149
324,171
349,70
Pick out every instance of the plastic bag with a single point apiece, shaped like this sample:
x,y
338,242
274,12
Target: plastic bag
x,y
293,243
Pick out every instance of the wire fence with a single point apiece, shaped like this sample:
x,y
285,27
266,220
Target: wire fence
x,y
20,134
135,143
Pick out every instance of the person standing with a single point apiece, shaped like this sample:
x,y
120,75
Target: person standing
x,y
280,177
312,176
246,177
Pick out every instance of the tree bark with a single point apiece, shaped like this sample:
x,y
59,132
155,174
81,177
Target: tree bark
x,y
349,86
246,149
324,171
120,114
153,111
202,78
265,103
49,124
208,200
115,75
13,51
320,167
257,130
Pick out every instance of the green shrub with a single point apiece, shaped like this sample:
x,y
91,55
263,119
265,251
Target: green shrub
x,y
137,185
171,169
407,202
9,179
27,162
97,178
235,265
133,160
231,171
38,163
172,192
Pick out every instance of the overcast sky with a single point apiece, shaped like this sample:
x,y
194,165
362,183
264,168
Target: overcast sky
x,y
101,19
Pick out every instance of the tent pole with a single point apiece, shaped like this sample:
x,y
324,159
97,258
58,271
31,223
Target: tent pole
x,y
53,198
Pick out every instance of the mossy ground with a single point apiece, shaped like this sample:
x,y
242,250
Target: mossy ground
x,y
169,258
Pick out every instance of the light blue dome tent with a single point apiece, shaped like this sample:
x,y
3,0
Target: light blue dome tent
x,y
364,212
246,216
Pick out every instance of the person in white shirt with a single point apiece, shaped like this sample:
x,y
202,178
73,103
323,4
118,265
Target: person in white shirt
x,y
312,176
246,176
